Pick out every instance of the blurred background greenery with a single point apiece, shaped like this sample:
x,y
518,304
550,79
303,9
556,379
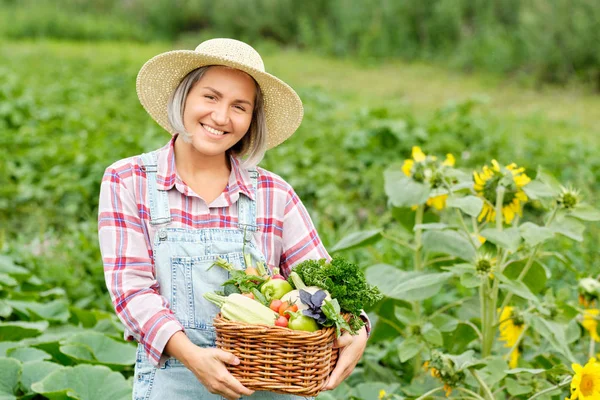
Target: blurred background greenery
x,y
506,79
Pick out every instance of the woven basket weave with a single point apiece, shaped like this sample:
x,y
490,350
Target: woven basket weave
x,y
278,359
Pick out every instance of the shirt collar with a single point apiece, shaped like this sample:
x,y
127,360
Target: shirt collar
x,y
239,179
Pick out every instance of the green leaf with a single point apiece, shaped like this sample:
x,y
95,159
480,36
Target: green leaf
x,y
470,280
19,330
517,288
85,382
534,234
406,316
26,354
515,388
432,335
545,177
53,311
537,190
10,374
401,285
7,266
448,242
494,371
402,191
6,346
585,212
466,360
444,323
433,225
572,332
509,239
470,205
96,348
7,280
554,333
569,227
458,340
535,279
371,390
357,239
5,309
409,348
36,371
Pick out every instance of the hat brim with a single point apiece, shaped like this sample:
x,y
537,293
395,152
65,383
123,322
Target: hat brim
x,y
160,76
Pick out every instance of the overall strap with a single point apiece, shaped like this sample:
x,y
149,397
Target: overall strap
x,y
247,206
158,200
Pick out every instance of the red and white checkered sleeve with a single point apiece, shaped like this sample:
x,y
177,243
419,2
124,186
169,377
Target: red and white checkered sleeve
x,y
299,237
128,267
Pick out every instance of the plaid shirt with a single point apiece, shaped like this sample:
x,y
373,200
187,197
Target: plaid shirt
x,y
285,235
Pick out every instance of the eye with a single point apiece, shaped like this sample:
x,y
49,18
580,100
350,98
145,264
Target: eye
x,y
209,96
240,108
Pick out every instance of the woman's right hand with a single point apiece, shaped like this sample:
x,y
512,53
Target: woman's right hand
x,y
208,365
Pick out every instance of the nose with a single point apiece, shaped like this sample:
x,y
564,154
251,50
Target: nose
x,y
220,115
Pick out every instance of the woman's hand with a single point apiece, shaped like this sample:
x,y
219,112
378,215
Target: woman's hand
x,y
352,348
208,365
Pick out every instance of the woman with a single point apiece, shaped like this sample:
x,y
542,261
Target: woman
x,y
165,216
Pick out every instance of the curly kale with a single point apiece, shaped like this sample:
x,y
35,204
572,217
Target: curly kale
x,y
345,282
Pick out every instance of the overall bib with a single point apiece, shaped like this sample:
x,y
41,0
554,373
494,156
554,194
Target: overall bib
x,y
182,258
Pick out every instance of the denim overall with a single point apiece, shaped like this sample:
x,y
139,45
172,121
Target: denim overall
x,y
181,258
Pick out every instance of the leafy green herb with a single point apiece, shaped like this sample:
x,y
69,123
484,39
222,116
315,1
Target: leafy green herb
x,y
331,310
343,280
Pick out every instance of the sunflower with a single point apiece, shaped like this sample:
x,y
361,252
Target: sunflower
x,y
512,179
586,382
590,323
511,327
427,169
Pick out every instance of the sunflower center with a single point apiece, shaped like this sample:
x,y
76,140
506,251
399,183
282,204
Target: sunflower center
x,y
587,385
490,190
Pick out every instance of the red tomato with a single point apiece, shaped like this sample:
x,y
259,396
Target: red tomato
x,y
281,321
285,306
275,304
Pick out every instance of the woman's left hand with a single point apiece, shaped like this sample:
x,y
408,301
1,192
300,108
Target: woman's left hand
x,y
352,348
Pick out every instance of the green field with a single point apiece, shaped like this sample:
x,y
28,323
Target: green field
x,y
68,110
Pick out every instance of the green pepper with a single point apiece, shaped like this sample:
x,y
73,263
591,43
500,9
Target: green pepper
x,y
301,322
275,288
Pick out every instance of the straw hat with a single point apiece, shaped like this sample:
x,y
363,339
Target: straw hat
x,y
159,77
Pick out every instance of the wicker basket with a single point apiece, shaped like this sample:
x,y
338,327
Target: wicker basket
x,y
278,359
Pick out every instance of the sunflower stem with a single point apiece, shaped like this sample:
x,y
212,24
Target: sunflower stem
x,y
432,391
475,395
551,389
482,385
592,350
418,267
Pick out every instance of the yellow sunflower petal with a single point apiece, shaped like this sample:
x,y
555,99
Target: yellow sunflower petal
x,y
438,202
450,160
417,154
407,167
496,166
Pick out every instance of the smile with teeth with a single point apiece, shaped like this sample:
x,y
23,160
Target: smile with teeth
x,y
212,130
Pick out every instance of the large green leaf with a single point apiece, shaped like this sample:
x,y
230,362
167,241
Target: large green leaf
x,y
535,279
466,360
569,227
10,374
7,266
357,239
470,205
585,212
371,390
510,238
554,333
403,191
432,335
97,348
5,309
36,371
534,234
444,323
537,190
401,285
448,242
409,348
18,330
26,354
84,382
518,288
53,311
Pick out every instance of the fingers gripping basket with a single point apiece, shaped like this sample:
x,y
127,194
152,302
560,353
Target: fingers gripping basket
x,y
278,359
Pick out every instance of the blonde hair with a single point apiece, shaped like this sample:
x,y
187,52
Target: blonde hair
x,y
252,146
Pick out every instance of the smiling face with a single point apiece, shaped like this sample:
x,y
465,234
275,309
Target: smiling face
x,y
218,110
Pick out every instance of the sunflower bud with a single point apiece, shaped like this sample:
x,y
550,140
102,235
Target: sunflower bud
x,y
484,264
568,198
